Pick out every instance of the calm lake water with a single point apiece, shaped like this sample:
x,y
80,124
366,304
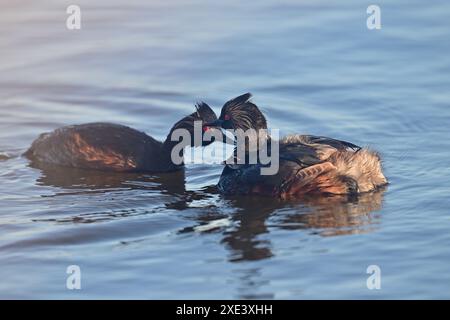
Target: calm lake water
x,y
313,67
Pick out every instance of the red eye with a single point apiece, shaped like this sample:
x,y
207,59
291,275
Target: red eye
x,y
227,117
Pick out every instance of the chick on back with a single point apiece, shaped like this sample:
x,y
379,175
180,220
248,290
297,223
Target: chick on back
x,y
307,164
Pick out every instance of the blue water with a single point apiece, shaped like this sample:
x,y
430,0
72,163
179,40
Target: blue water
x,y
313,67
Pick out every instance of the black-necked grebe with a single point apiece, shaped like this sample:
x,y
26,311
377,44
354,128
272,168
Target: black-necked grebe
x,y
113,147
307,164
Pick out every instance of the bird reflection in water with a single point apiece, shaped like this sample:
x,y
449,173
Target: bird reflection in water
x,y
247,234
166,190
245,222
92,180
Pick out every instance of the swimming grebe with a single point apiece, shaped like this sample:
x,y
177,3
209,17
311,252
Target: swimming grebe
x,y
113,147
307,164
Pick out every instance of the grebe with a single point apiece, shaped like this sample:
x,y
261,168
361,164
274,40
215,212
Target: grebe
x,y
307,164
113,147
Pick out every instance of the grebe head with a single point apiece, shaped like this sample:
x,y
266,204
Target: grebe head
x,y
204,114
240,113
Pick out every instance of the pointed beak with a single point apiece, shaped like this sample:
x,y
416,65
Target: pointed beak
x,y
214,124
